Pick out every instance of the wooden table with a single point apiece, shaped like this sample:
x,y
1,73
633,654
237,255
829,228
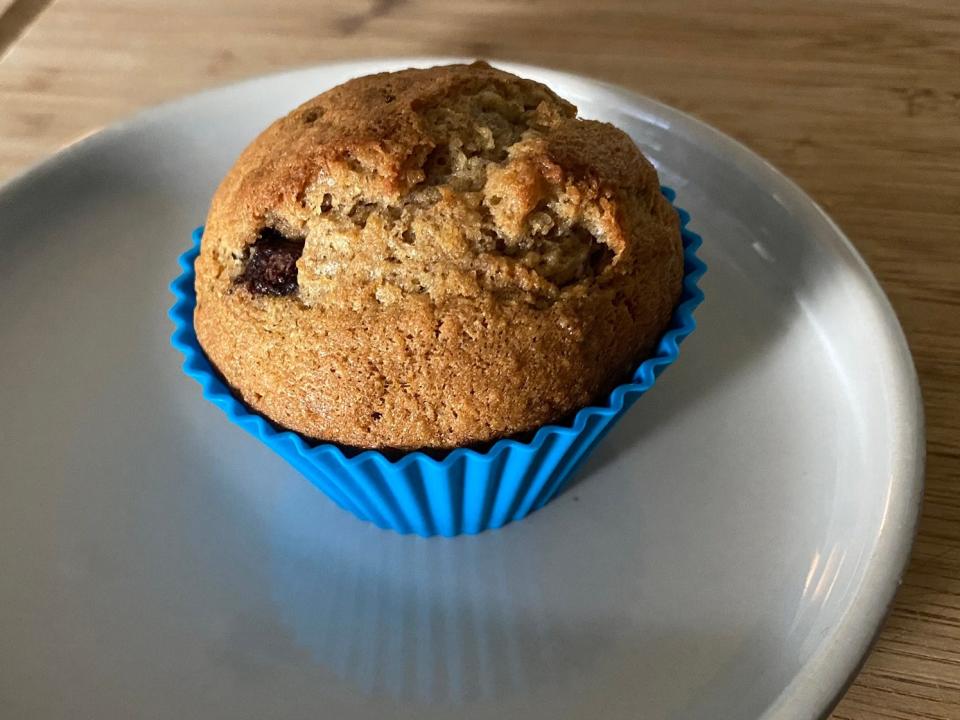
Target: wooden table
x,y
857,101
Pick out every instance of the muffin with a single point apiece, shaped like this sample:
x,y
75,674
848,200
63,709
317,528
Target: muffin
x,y
435,258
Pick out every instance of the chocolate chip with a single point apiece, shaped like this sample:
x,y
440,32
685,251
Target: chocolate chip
x,y
271,267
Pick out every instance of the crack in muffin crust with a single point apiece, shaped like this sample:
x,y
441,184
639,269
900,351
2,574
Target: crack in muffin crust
x,y
433,258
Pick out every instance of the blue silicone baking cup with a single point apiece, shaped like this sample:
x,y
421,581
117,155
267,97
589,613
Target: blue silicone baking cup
x,y
466,490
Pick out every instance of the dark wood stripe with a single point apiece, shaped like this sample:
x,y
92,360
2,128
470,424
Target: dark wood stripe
x,y
15,21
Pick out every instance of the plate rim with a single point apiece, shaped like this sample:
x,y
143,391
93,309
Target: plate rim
x,y
824,678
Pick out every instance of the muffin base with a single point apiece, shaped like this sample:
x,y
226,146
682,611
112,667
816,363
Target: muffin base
x,y
464,491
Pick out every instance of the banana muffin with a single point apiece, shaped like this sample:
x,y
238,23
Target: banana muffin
x,y
432,259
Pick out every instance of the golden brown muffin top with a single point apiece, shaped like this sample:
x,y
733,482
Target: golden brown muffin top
x,y
461,198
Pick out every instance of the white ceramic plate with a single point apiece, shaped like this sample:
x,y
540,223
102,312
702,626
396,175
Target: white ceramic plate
x,y
727,553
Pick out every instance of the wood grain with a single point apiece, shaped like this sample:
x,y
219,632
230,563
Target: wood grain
x,y
857,101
